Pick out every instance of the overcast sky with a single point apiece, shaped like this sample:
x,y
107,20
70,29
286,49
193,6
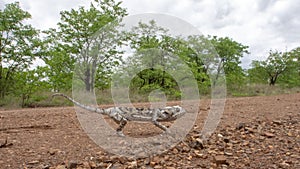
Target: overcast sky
x,y
260,24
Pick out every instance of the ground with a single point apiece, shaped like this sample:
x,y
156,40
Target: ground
x,y
254,132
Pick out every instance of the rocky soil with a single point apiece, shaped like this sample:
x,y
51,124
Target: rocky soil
x,y
254,132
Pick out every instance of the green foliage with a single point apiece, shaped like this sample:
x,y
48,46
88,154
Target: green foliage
x,y
28,83
257,74
78,39
230,53
199,54
19,45
275,65
291,76
272,68
88,39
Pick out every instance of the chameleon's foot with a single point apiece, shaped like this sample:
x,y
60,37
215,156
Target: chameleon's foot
x,y
167,131
120,133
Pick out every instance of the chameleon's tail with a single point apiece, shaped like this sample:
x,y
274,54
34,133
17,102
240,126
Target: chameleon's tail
x,y
86,107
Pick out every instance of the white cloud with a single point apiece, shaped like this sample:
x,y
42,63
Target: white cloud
x,y
45,13
260,24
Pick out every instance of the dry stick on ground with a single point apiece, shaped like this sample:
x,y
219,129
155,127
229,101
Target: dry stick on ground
x,y
5,144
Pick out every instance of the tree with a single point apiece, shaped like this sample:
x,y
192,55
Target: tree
x,y
230,53
27,83
59,65
19,44
274,66
153,48
79,41
291,76
199,54
257,74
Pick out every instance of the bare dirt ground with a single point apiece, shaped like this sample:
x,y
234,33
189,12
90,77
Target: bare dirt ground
x,y
254,132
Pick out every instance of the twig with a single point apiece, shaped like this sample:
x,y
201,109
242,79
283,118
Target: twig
x,y
5,144
108,167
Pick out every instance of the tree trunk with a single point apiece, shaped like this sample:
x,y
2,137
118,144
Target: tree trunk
x,y
87,80
273,80
163,79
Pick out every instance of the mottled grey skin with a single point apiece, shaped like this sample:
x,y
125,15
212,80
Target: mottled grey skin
x,y
122,115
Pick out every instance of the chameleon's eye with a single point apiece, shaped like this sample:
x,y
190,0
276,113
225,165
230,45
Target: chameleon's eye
x,y
167,112
176,109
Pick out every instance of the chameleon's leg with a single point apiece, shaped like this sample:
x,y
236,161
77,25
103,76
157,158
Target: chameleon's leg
x,y
156,123
122,124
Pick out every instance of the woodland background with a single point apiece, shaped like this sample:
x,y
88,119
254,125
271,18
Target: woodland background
x,y
62,49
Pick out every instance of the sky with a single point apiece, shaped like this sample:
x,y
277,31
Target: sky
x,y
260,24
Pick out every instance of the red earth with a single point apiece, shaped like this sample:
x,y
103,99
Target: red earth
x,y
254,132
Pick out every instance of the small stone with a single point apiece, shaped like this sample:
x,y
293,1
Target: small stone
x,y
227,153
92,164
146,161
199,155
60,167
52,151
156,159
33,162
284,165
277,122
158,167
240,126
115,165
122,160
152,163
103,165
104,159
189,158
186,149
45,166
197,144
133,164
220,135
250,130
85,165
220,159
162,162
269,135
72,164
212,152
226,140
170,168
114,158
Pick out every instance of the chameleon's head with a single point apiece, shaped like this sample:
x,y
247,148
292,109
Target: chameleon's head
x,y
178,112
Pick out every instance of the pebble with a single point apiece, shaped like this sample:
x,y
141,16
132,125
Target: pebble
x,y
33,162
220,159
60,167
72,164
271,142
268,135
240,126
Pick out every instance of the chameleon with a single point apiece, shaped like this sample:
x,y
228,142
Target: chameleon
x,y
121,115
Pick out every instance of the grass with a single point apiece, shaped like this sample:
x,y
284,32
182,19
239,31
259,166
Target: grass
x,y
44,99
261,90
